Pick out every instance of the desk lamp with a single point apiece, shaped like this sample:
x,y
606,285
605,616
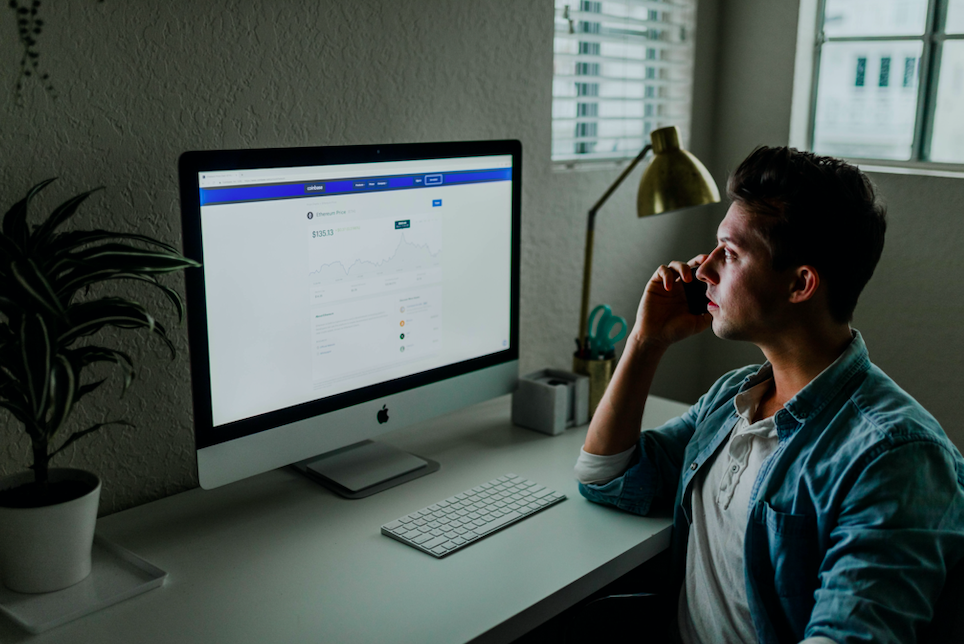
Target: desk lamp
x,y
675,179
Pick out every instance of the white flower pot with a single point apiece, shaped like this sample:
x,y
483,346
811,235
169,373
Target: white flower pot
x,y
47,548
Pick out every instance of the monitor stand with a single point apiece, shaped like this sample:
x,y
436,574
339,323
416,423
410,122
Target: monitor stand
x,y
365,468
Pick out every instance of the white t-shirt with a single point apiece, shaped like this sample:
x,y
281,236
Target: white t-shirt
x,y
713,605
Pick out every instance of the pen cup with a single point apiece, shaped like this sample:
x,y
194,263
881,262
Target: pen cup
x,y
600,372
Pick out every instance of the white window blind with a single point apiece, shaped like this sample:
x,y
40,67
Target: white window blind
x,y
621,69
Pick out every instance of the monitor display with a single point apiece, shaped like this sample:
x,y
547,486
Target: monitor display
x,y
345,292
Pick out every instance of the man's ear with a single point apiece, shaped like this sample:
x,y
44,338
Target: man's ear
x,y
806,281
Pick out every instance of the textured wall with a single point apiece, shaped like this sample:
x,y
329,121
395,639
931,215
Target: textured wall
x,y
910,313
140,82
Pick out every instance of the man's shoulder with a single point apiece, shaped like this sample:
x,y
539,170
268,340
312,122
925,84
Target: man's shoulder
x,y
883,417
890,410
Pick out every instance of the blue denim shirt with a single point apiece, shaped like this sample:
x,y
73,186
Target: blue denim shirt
x,y
854,519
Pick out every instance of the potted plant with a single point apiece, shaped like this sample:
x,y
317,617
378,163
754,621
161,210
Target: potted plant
x,y
50,321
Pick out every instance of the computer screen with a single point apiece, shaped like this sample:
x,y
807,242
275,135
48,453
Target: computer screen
x,y
345,292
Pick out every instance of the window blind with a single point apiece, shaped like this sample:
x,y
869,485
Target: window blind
x,y
621,69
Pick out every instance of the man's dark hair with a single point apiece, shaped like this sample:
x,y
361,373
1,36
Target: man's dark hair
x,y
818,211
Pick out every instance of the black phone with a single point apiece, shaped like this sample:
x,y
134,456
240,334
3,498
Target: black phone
x,y
696,296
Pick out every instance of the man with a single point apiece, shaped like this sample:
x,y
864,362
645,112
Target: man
x,y
813,499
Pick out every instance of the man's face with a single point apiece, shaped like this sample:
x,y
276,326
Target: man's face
x,y
748,299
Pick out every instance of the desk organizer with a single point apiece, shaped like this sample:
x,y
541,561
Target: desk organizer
x,y
550,400
116,574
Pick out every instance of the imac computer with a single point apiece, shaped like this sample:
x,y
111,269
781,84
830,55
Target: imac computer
x,y
346,292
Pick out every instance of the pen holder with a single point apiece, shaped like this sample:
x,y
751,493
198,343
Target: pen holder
x,y
549,401
600,372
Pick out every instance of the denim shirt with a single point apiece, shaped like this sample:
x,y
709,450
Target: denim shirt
x,y
854,519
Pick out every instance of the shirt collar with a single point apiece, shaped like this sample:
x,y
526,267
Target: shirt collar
x,y
748,400
821,390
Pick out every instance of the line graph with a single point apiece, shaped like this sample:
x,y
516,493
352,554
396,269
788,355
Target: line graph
x,y
407,257
375,249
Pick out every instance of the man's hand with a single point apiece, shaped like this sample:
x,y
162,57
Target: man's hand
x,y
663,317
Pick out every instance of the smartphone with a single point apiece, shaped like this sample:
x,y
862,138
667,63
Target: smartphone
x,y
696,296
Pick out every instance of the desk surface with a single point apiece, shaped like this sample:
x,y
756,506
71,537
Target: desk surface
x,y
277,558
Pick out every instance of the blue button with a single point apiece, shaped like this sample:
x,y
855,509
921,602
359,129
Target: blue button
x,y
405,223
433,179
436,203
359,184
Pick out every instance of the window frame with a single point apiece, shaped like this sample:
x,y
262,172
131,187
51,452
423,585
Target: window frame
x,y
810,41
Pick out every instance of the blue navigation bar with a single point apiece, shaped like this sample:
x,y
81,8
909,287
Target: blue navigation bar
x,y
210,196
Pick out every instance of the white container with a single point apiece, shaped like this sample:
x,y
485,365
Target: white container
x,y
48,548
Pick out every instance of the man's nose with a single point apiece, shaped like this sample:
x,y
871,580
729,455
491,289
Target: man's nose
x,y
706,271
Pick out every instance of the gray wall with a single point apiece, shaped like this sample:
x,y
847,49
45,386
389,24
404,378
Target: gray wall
x,y
138,83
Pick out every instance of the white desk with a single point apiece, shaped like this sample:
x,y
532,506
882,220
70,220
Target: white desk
x,y
277,558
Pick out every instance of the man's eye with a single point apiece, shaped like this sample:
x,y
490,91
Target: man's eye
x,y
727,254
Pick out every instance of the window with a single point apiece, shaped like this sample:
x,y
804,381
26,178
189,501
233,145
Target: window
x,y
622,68
888,80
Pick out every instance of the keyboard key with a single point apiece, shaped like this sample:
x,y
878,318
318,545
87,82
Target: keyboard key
x,y
463,518
431,543
497,523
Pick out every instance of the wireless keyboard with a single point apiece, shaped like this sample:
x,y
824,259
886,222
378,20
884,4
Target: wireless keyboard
x,y
462,519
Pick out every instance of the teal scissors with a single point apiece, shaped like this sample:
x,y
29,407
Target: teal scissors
x,y
601,340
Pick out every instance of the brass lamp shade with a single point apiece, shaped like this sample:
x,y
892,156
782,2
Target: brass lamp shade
x,y
674,178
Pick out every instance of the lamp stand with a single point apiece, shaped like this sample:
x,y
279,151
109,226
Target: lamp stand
x,y
583,339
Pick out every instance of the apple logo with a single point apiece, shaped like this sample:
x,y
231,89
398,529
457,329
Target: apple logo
x,y
383,414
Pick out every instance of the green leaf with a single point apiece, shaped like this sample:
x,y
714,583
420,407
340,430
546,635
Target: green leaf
x,y
105,276
36,352
76,436
15,221
94,265
87,318
74,239
87,355
62,394
61,213
87,388
34,282
126,258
